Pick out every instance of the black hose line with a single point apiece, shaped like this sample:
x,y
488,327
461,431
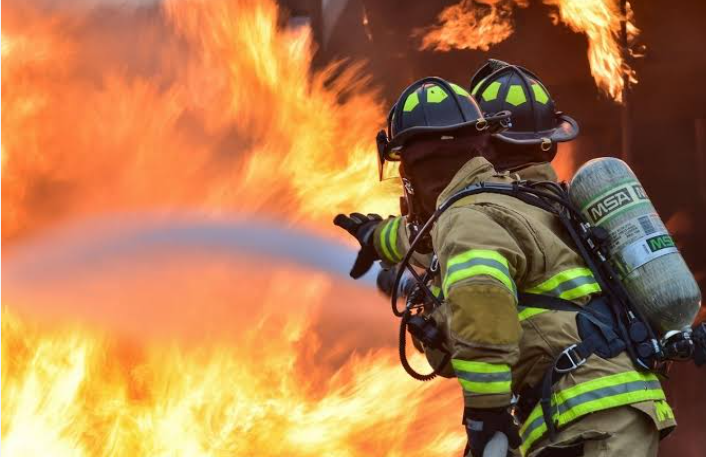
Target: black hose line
x,y
403,355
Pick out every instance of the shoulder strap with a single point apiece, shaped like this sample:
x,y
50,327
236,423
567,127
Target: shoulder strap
x,y
547,302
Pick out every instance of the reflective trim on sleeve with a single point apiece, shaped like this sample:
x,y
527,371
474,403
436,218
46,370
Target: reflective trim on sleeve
x,y
388,240
478,262
525,312
568,284
663,410
481,378
589,397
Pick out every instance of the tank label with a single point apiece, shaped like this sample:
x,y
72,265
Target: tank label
x,y
614,201
645,250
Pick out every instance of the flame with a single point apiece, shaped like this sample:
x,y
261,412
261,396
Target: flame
x,y
481,24
565,161
206,105
72,390
236,120
600,21
470,24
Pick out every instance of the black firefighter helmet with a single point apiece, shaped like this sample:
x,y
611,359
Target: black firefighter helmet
x,y
428,107
499,86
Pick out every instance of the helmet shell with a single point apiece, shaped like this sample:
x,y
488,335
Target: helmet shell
x,y
499,86
431,105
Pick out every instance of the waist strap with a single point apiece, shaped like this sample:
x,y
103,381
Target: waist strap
x,y
598,331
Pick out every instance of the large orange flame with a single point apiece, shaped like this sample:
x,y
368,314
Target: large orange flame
x,y
206,105
217,110
481,24
471,24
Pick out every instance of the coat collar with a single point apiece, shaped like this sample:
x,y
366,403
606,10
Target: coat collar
x,y
478,169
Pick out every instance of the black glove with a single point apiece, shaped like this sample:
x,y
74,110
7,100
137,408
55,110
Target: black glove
x,y
482,424
362,228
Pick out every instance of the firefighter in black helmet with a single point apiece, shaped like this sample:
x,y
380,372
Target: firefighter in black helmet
x,y
493,249
429,114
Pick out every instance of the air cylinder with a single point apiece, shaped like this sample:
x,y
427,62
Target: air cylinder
x,y
655,275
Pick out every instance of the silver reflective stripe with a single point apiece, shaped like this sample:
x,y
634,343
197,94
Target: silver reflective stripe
x,y
485,262
607,392
477,261
571,284
601,393
484,377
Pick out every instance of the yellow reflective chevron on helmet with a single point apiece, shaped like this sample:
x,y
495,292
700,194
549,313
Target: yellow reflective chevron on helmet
x,y
515,95
436,94
491,92
539,94
460,90
411,102
475,89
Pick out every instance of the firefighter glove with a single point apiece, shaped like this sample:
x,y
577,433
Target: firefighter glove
x,y
482,424
362,228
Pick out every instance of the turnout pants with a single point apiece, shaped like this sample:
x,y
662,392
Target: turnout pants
x,y
617,432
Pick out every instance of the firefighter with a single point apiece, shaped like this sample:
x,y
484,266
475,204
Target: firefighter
x,y
494,248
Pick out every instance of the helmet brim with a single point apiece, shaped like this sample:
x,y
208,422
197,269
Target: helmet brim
x,y
473,127
567,130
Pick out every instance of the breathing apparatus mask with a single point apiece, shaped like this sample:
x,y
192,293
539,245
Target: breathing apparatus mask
x,y
428,166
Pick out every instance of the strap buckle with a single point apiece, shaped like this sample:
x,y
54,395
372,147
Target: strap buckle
x,y
572,360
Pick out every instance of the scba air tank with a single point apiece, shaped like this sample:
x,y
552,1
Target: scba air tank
x,y
655,275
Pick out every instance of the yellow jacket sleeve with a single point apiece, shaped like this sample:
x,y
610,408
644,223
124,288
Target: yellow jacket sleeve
x,y
479,262
390,240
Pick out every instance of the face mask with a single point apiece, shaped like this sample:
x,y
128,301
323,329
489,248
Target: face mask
x,y
429,165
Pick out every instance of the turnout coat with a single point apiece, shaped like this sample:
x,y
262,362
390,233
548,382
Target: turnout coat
x,y
490,247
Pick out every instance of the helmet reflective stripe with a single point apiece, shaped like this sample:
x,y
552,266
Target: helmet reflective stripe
x,y
475,89
515,95
491,92
436,94
411,102
460,90
540,95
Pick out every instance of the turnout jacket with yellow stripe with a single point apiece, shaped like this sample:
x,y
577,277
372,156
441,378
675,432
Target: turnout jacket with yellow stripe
x,y
490,247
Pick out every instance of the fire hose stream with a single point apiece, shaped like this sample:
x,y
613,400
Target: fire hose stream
x,y
243,301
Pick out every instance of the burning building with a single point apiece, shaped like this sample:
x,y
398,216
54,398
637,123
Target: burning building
x,y
199,110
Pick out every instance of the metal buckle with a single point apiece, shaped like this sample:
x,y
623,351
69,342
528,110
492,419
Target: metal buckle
x,y
574,364
546,144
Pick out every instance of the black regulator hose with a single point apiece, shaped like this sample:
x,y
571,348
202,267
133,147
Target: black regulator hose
x,y
403,354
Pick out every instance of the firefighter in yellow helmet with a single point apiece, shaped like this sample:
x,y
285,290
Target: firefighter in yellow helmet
x,y
500,259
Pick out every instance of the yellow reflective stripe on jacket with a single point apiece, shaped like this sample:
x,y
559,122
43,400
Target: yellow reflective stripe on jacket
x,y
589,397
476,262
388,240
482,378
525,312
663,410
568,284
